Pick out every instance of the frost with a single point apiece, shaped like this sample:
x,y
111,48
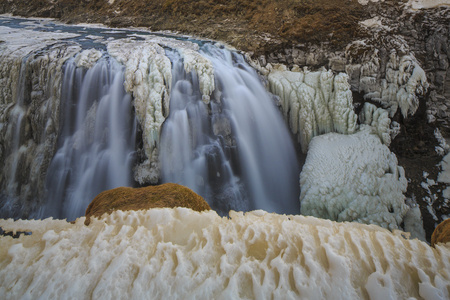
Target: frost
x,y
353,178
179,254
380,122
314,103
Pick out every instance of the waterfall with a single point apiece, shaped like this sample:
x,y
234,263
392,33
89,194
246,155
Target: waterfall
x,y
97,139
236,152
75,121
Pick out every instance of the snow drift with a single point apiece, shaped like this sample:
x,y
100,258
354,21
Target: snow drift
x,y
179,253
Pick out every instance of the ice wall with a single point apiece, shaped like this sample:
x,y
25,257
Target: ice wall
x,y
313,103
353,178
179,254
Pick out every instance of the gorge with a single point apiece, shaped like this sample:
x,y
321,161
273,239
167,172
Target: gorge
x,y
351,128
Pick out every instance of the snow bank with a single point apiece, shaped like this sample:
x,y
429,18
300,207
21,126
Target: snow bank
x,y
182,254
353,178
314,103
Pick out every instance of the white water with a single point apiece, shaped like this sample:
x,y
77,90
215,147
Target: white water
x,y
237,152
97,139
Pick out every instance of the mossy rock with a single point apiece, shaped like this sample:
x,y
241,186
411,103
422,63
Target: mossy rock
x,y
441,234
126,198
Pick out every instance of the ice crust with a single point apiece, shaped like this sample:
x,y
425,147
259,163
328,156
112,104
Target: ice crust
x,y
314,103
353,178
182,254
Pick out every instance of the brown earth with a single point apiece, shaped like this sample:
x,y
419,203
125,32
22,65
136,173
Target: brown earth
x,y
261,26
125,198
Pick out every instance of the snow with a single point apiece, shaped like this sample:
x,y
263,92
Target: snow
x,y
353,178
374,22
313,103
420,4
179,254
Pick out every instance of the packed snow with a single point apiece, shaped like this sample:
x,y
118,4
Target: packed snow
x,y
179,254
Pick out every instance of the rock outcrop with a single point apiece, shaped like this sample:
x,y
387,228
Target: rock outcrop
x,y
124,198
441,234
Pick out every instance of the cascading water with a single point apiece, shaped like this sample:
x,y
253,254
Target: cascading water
x,y
220,135
236,152
97,139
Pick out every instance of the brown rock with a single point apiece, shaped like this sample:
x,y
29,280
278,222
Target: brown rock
x,y
125,198
441,234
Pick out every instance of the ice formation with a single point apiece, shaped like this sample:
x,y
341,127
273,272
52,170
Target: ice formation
x,y
404,81
179,254
87,58
194,61
148,77
378,119
314,103
353,178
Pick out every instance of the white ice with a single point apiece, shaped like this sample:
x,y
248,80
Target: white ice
x,y
353,178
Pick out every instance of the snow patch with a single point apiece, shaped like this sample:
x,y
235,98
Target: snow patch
x,y
424,4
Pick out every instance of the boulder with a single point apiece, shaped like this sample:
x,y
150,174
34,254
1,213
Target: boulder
x,y
126,198
441,234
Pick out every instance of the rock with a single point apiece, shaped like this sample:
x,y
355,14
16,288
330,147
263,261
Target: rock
x,y
126,198
441,234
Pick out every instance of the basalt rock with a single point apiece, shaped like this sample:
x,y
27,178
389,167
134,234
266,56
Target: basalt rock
x,y
125,198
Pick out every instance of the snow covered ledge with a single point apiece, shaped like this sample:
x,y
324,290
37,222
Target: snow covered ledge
x,y
179,254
